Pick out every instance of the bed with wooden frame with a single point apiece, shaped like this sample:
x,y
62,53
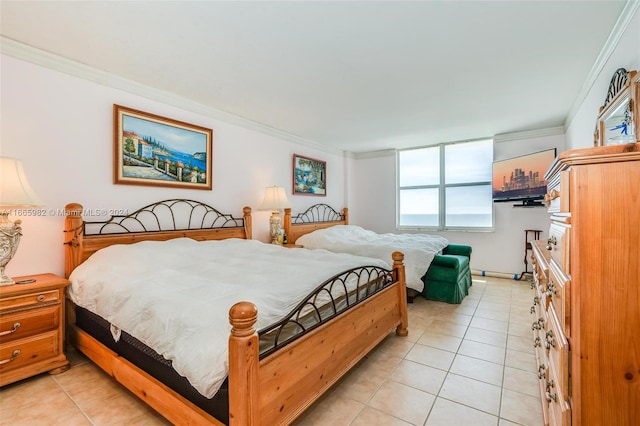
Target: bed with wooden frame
x,y
262,389
447,279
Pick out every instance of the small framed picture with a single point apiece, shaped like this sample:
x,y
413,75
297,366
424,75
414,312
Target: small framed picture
x,y
159,151
309,176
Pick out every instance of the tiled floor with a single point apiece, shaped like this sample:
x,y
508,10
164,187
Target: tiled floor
x,y
470,364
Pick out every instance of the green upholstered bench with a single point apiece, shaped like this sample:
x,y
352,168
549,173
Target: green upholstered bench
x,y
449,276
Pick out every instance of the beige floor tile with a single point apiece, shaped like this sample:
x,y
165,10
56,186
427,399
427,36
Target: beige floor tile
x,y
474,368
520,329
494,315
521,360
402,401
504,422
359,385
490,324
395,346
486,336
432,357
522,344
449,413
32,401
447,328
372,417
522,409
117,409
440,341
472,393
419,376
492,306
333,410
521,381
482,351
455,318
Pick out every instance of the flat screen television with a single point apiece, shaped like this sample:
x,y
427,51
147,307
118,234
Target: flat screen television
x,y
522,178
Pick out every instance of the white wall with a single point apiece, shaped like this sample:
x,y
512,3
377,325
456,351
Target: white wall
x,y
625,55
372,195
61,127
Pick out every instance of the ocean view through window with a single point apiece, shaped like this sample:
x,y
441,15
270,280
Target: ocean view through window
x,y
446,186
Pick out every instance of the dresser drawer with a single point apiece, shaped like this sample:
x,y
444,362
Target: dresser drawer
x,y
30,300
27,323
558,243
558,350
558,290
559,410
29,350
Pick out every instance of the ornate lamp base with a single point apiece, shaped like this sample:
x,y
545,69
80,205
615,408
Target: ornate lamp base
x,y
274,226
10,233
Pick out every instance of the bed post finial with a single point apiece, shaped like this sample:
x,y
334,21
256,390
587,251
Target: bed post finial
x,y
398,268
345,215
287,224
248,224
243,365
73,232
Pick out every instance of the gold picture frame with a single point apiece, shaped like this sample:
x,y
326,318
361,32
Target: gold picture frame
x,y
153,150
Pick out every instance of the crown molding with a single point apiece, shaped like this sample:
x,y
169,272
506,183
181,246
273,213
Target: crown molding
x,y
371,154
621,25
529,134
55,62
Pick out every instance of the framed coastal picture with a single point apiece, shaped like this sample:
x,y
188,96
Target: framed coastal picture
x,y
309,176
159,151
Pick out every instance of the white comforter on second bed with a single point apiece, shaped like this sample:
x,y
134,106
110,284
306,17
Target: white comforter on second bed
x,y
419,249
175,295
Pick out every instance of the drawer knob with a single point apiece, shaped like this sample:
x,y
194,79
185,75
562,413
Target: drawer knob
x,y
41,298
13,330
552,240
14,355
551,289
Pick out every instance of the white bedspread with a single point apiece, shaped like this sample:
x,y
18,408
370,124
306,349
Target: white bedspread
x,y
175,296
419,249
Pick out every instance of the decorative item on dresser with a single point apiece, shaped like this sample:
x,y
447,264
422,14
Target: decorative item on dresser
x,y
31,327
275,200
15,192
619,115
587,302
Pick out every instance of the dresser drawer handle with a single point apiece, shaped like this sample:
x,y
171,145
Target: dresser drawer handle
x,y
41,298
551,290
15,328
14,355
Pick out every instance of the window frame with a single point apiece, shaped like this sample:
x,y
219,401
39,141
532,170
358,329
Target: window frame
x,y
442,191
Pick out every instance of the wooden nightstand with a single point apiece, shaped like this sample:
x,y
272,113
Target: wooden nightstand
x,y
31,328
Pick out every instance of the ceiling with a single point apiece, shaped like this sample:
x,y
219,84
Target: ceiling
x,y
350,75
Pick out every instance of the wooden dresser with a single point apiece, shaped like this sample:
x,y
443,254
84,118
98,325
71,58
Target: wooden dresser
x,y
31,328
587,277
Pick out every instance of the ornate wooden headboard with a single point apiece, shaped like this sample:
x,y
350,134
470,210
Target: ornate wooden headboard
x,y
160,221
318,216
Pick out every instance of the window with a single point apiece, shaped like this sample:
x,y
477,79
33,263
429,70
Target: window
x,y
446,186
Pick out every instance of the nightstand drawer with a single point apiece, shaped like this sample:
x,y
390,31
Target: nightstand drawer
x,y
26,301
29,350
27,323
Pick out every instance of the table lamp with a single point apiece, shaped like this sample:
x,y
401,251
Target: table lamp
x,y
275,199
15,192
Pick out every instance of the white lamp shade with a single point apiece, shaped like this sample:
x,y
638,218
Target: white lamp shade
x,y
274,199
15,190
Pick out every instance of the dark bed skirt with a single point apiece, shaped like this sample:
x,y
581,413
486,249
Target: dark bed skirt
x,y
153,363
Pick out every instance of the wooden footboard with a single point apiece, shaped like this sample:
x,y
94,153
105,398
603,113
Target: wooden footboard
x,y
269,391
278,388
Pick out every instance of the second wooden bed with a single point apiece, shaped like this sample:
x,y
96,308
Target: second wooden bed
x,y
447,278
